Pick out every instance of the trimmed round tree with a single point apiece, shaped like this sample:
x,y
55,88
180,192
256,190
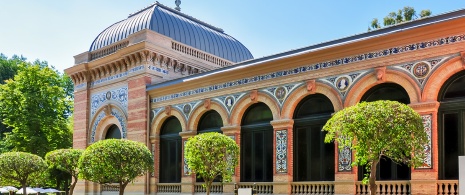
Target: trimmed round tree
x,y
66,160
379,129
115,161
21,167
210,155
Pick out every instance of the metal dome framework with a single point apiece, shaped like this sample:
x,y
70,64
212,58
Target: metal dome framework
x,y
179,27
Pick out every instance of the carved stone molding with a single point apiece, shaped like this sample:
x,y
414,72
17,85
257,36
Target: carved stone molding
x,y
187,134
207,103
380,74
254,95
311,86
282,124
423,107
168,110
231,130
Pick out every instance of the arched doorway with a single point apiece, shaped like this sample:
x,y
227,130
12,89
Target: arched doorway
x,y
210,122
451,120
257,144
313,159
387,169
113,132
170,151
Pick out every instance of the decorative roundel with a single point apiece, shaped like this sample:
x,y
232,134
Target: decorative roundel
x,y
342,83
280,93
108,95
187,109
421,69
229,101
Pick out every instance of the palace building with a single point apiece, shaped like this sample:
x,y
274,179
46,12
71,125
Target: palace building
x,y
161,76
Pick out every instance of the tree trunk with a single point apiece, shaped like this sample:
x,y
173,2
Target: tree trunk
x,y
373,177
208,185
71,188
122,185
23,184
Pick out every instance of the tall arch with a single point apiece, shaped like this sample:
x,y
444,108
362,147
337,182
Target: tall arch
x,y
387,169
313,159
105,117
391,76
451,120
299,94
161,117
245,102
170,151
199,112
440,76
257,144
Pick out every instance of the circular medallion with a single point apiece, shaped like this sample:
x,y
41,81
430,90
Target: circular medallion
x,y
342,83
280,93
108,95
229,102
186,109
421,69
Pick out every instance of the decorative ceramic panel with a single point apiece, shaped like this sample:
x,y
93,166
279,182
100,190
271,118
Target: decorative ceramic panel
x,y
281,151
187,171
340,83
116,76
119,95
421,70
228,157
152,174
158,69
345,160
343,82
187,108
121,117
228,101
427,124
280,93
154,113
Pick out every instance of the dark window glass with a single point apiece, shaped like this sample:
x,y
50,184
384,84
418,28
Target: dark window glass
x,y
113,132
170,151
451,126
257,144
313,159
387,169
210,122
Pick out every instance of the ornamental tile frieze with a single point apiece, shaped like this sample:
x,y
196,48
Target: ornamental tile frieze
x,y
187,108
341,86
121,117
421,70
281,151
342,83
281,93
427,124
118,95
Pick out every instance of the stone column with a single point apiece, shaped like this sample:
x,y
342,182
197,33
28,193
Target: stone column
x,y
187,179
424,178
282,156
233,132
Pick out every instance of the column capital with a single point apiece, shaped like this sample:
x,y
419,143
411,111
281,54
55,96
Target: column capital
x,y
187,134
282,124
231,130
425,107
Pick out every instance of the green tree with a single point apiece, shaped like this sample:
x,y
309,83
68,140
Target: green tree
x,y
35,105
402,15
66,160
379,129
115,161
211,155
21,167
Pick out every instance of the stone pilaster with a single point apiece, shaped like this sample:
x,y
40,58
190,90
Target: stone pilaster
x,y
282,155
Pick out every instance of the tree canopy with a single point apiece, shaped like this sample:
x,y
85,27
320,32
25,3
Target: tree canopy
x,y
379,129
21,167
211,155
66,160
115,161
402,15
35,105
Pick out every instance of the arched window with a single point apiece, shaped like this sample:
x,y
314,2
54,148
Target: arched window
x,y
170,151
387,169
257,144
451,120
113,132
313,159
210,122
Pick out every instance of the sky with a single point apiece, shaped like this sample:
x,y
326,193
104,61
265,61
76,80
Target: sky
x,y
57,30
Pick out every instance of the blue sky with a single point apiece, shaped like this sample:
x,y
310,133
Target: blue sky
x,y
57,30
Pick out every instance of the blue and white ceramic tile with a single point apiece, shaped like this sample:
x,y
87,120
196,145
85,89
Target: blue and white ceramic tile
x,y
421,70
345,160
344,82
427,124
187,108
280,93
121,117
281,151
117,76
119,95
